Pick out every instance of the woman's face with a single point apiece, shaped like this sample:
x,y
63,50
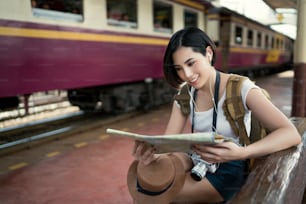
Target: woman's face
x,y
192,67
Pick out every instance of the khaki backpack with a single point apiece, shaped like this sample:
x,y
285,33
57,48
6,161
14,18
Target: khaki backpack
x,y
233,109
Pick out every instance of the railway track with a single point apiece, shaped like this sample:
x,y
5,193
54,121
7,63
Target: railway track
x,y
28,135
38,103
32,133
62,140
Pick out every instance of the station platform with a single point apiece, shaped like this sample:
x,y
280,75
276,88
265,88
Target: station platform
x,y
96,173
92,174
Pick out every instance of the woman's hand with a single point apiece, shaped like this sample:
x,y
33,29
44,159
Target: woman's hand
x,y
219,153
144,153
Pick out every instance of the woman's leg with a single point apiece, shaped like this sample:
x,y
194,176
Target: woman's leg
x,y
195,191
198,192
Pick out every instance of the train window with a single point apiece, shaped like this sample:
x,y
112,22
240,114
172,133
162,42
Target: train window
x,y
277,43
288,44
162,14
267,42
238,35
250,38
190,19
281,44
259,39
122,13
58,10
272,43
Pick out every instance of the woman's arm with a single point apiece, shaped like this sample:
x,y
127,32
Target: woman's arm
x,y
176,125
283,134
145,153
176,121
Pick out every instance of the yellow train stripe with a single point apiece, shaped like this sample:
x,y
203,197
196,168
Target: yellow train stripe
x,y
18,166
254,51
248,50
81,144
52,154
66,35
191,4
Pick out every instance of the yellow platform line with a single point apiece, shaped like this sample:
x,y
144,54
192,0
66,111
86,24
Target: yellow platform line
x,y
81,144
18,166
155,119
104,137
141,124
52,154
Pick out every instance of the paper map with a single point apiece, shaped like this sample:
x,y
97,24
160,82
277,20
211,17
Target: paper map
x,y
173,143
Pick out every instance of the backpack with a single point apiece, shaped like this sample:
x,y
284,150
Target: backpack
x,y
233,109
234,112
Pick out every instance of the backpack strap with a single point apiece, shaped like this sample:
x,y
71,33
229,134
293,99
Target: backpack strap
x,y
183,99
233,107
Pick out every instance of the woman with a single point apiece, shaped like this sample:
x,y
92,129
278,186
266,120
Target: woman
x,y
189,58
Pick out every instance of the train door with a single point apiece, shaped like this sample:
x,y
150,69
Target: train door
x,y
225,33
213,31
218,28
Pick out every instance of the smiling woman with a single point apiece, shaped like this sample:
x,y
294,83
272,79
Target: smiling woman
x,y
188,60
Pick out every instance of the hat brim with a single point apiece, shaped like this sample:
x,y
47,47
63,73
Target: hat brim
x,y
165,197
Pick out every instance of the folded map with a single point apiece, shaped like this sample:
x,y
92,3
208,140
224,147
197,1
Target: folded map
x,y
173,143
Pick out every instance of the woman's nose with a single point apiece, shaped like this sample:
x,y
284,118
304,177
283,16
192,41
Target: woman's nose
x,y
187,72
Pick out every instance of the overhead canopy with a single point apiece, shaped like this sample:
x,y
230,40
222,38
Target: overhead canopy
x,y
274,4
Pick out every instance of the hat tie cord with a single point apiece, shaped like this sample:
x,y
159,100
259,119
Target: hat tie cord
x,y
151,193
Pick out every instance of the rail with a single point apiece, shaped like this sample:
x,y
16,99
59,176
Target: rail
x,y
279,178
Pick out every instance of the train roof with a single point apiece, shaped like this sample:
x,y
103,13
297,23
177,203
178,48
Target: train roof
x,y
223,11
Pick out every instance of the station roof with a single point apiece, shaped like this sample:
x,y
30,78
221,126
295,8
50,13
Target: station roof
x,y
274,4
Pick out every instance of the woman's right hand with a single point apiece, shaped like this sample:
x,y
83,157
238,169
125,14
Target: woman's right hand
x,y
144,153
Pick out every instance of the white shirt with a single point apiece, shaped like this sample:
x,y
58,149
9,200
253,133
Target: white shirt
x,y
203,120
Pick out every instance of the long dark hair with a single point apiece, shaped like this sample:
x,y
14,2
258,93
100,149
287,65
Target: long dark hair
x,y
187,37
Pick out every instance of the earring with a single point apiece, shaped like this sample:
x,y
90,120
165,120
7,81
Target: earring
x,y
209,57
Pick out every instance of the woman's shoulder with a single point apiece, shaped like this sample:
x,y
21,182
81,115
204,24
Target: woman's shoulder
x,y
246,81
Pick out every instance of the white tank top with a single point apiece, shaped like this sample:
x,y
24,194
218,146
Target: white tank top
x,y
203,120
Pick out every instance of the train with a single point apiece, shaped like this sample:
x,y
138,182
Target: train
x,y
107,54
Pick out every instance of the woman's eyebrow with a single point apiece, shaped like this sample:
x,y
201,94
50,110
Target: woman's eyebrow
x,y
187,61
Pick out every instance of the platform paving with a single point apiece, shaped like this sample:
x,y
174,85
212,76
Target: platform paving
x,y
96,173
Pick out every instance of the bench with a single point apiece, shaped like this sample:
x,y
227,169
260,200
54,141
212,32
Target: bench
x,y
278,178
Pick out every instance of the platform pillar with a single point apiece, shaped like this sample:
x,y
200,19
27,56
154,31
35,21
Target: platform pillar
x,y
299,82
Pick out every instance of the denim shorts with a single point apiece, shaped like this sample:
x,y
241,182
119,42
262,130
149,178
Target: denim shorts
x,y
228,178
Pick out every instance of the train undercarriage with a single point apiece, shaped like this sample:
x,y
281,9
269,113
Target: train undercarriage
x,y
122,98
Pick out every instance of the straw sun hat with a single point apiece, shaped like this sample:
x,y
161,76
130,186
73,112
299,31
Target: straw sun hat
x,y
158,182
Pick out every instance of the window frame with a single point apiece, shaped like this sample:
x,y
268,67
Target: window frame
x,y
236,36
191,12
54,14
157,26
119,21
250,37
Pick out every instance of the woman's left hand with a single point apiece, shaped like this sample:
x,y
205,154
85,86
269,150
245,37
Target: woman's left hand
x,y
219,153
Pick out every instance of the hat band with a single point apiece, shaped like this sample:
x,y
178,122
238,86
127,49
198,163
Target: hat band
x,y
151,193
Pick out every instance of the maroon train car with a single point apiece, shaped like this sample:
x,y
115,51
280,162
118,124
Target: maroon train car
x,y
108,54
88,49
246,46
